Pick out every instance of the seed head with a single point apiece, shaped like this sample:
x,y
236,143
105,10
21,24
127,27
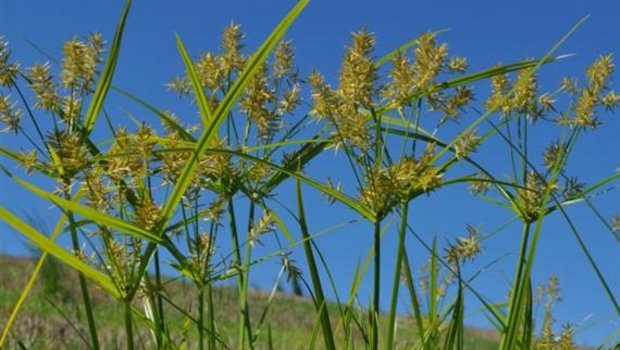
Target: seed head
x,y
572,187
400,182
290,266
70,150
80,63
8,71
591,96
231,57
71,107
201,253
466,144
524,99
401,87
284,56
458,64
180,85
10,115
553,154
259,171
210,71
97,192
144,140
333,186
261,227
500,87
147,214
600,72
546,102
290,100
215,210
358,74
530,197
584,109
466,247
28,160
42,83
610,100
120,165
256,102
570,85
350,126
429,60
480,187
324,98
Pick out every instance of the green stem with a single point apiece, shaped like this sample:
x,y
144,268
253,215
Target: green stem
x,y
160,304
201,308
92,328
246,271
211,316
397,273
377,286
415,302
510,331
245,319
128,325
320,303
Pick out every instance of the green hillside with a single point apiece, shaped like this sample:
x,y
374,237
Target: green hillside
x,y
51,319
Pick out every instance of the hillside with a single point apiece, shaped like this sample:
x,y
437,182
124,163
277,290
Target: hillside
x,y
51,320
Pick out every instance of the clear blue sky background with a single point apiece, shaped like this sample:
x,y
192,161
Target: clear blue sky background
x,y
484,31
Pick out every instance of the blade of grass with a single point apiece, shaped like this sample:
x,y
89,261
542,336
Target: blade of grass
x,y
47,245
28,287
455,332
320,303
199,93
415,302
397,275
92,214
105,80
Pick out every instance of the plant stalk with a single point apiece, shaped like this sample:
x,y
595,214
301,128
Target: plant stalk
x,y
92,327
320,303
128,325
377,286
397,275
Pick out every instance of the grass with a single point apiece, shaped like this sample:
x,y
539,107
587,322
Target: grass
x,y
41,325
182,190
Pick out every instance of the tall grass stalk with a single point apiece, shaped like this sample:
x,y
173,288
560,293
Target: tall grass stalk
x,y
400,252
320,301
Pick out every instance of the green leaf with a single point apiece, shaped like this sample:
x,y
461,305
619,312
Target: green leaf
x,y
28,287
320,302
201,98
456,329
106,76
47,245
89,213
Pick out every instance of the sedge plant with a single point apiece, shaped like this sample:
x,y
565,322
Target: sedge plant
x,y
177,193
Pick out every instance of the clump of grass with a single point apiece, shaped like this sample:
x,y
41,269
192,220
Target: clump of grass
x,y
183,189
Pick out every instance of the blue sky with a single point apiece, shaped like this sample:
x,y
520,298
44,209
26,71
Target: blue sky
x,y
486,32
